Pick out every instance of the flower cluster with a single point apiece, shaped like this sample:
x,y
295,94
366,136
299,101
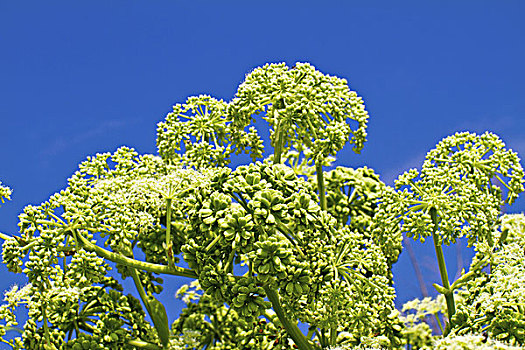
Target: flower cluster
x,y
204,128
459,184
204,322
304,107
352,194
5,192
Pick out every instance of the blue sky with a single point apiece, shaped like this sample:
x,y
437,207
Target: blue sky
x,y
77,78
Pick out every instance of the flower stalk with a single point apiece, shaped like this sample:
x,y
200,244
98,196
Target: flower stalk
x,y
293,331
320,183
448,293
146,266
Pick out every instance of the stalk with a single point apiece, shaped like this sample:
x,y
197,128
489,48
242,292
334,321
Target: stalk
x,y
46,329
293,331
311,332
212,244
64,261
143,345
279,140
169,245
333,335
320,183
449,295
4,236
157,315
142,265
140,289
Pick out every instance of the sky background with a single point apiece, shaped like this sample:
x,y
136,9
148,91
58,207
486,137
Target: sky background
x,y
77,78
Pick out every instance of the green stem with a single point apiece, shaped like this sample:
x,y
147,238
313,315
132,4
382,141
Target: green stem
x,y
286,233
46,329
4,236
320,183
322,338
293,331
157,314
439,323
212,244
169,245
502,182
143,345
16,329
229,264
140,289
65,260
29,246
57,218
311,332
333,335
449,296
352,195
48,222
142,265
279,140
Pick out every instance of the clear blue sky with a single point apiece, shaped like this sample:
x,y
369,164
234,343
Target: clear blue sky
x,y
77,78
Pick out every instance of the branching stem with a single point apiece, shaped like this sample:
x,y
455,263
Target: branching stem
x,y
293,331
142,265
140,289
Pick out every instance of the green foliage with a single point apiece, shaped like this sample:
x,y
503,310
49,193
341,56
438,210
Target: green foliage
x,y
268,245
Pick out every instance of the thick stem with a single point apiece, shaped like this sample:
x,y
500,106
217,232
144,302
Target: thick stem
x,y
293,331
333,335
140,289
149,302
320,183
229,264
169,245
286,233
142,265
46,329
449,296
279,140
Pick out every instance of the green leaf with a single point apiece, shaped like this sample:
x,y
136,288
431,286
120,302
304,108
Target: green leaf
x,y
160,320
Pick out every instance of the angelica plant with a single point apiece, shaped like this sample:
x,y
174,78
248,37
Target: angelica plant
x,y
455,195
269,244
